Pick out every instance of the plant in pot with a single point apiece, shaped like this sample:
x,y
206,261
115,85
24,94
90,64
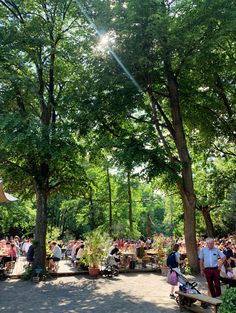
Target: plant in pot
x,y
96,248
163,247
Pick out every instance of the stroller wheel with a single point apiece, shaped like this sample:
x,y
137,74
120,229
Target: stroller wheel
x,y
116,272
204,305
177,299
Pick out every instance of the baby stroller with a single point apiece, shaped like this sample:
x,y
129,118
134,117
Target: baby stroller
x,y
111,267
188,287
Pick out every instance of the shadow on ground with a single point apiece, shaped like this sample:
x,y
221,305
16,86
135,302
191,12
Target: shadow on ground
x,y
81,295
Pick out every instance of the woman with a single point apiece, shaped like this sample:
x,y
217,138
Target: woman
x,y
173,262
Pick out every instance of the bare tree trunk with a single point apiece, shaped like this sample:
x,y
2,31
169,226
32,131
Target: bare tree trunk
x,y
41,224
91,209
185,183
130,203
185,186
149,226
206,212
110,201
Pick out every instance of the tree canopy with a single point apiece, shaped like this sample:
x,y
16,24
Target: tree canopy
x,y
108,106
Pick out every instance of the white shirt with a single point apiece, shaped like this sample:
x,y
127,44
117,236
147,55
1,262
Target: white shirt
x,y
210,256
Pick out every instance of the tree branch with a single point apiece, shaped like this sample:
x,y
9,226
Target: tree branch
x,y
13,8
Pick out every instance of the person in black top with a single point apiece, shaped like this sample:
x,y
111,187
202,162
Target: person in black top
x,y
228,252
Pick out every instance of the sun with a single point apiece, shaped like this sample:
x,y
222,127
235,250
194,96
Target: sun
x,y
106,41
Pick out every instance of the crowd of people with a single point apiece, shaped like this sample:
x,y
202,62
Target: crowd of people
x,y
217,259
127,253
14,247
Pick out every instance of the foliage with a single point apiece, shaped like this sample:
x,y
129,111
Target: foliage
x,y
28,273
17,219
228,301
163,245
53,234
68,113
96,248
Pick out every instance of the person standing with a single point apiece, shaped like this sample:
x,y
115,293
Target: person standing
x,y
173,262
209,267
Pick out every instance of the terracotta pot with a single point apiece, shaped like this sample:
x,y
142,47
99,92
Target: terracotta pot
x,y
93,271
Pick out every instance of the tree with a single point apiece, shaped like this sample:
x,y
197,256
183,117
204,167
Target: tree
x,y
169,37
37,70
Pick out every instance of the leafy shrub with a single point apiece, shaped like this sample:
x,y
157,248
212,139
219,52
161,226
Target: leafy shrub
x,y
163,245
27,275
229,301
96,248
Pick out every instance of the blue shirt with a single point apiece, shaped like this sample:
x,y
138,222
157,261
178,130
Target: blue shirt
x,y
210,256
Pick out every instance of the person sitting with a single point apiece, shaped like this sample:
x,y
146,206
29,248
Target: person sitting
x,y
114,253
79,256
10,254
227,270
228,251
55,256
230,273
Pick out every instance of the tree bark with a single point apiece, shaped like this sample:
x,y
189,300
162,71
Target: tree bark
x,y
91,209
185,183
149,226
185,186
206,212
41,223
110,201
130,203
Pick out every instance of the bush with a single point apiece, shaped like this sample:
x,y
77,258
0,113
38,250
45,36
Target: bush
x,y
27,275
228,301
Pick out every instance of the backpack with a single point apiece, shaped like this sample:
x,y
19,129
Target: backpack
x,y
171,261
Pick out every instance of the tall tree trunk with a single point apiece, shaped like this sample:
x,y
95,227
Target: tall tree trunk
x,y
110,201
185,186
206,212
149,226
41,224
130,203
91,209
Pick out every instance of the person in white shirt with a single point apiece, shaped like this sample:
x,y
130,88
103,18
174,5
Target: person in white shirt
x,y
25,247
55,256
209,257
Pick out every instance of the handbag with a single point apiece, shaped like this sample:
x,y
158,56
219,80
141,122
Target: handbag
x,y
172,278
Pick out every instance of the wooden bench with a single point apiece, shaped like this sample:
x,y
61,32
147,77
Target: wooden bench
x,y
215,303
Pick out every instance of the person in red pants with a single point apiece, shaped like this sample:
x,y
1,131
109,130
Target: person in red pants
x,y
209,256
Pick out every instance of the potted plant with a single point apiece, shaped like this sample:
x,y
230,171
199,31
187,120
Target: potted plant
x,y
96,248
163,247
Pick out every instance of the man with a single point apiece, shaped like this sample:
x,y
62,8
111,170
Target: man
x,y
209,256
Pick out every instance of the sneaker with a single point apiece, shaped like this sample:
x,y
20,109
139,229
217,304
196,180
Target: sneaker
x,y
172,296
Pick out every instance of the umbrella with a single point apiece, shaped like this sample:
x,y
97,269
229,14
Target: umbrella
x,y
4,196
